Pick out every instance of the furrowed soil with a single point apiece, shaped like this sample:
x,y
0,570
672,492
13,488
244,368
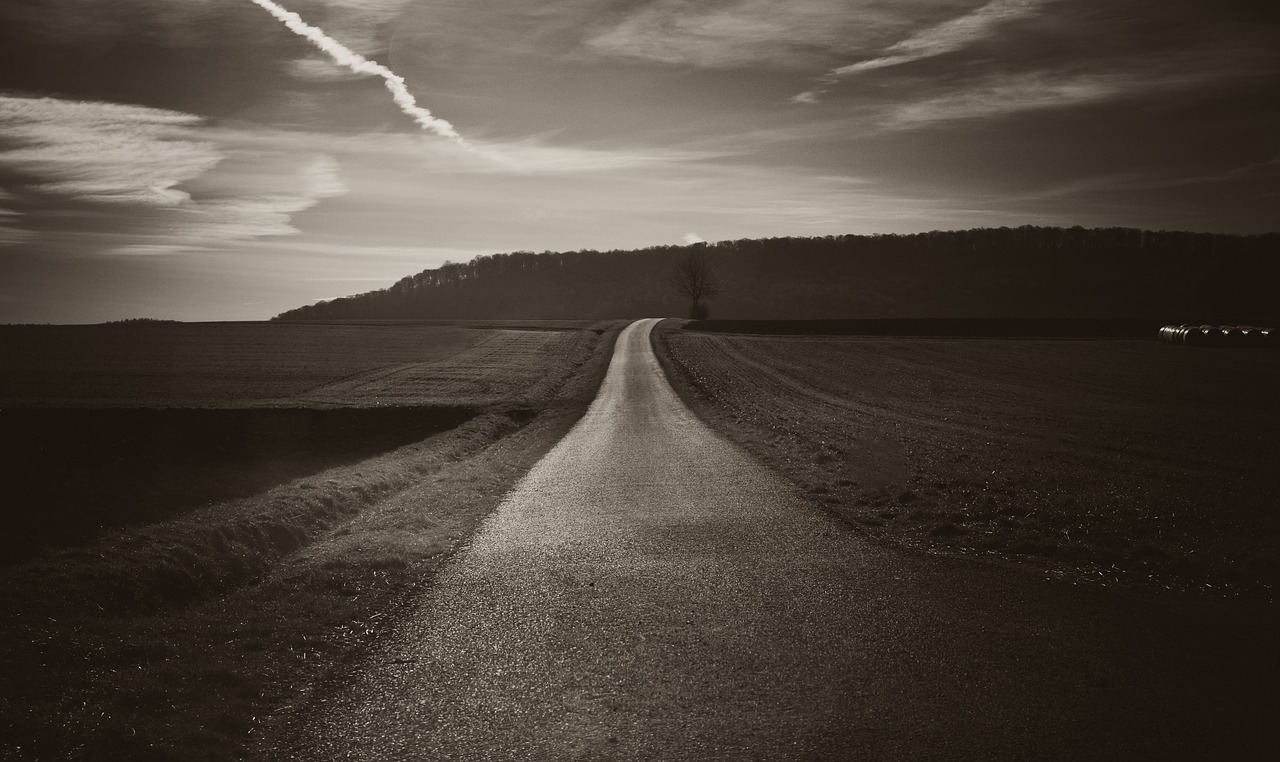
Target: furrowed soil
x,y
254,365
204,364
1130,462
274,495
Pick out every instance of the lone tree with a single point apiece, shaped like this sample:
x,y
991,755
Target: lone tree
x,y
695,279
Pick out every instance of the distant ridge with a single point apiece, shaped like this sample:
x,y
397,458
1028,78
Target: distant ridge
x,y
1024,272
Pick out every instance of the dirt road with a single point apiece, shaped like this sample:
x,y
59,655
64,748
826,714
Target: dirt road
x,y
649,593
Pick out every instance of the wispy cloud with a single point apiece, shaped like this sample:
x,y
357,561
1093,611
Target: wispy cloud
x,y
1012,94
10,232
747,33
100,152
1161,179
530,155
535,156
352,60
89,177
946,37
262,214
1004,94
359,24
119,178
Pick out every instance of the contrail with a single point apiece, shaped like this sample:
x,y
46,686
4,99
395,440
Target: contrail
x,y
344,56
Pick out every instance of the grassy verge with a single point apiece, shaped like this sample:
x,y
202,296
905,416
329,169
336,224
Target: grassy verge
x,y
1114,461
82,472
181,640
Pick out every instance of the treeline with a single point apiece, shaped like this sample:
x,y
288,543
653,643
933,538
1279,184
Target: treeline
x,y
137,321
1032,272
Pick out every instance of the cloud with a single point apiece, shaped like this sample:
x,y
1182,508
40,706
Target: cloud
x,y
344,56
11,235
1162,178
946,37
530,155
88,177
1015,56
1008,95
750,33
322,179
101,153
535,156
111,177
949,36
319,69
185,22
210,57
219,220
1000,95
360,24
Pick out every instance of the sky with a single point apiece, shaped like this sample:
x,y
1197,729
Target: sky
x,y
231,159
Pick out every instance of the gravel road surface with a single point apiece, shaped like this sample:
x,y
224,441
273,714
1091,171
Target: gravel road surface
x,y
650,593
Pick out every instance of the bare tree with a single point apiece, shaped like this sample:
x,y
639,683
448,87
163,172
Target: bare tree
x,y
696,280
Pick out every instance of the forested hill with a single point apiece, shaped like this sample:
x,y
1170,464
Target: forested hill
x,y
1033,272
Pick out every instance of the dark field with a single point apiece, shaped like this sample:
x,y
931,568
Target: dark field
x,y
203,364
202,519
1131,460
79,472
226,365
993,327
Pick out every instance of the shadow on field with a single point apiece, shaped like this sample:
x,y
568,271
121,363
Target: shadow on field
x,y
76,473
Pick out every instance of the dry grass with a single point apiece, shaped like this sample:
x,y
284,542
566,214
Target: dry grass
x,y
183,639
203,552
510,366
79,472
1101,459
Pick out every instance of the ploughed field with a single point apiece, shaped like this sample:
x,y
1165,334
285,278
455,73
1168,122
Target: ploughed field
x,y
115,425
202,519
1115,460
224,365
